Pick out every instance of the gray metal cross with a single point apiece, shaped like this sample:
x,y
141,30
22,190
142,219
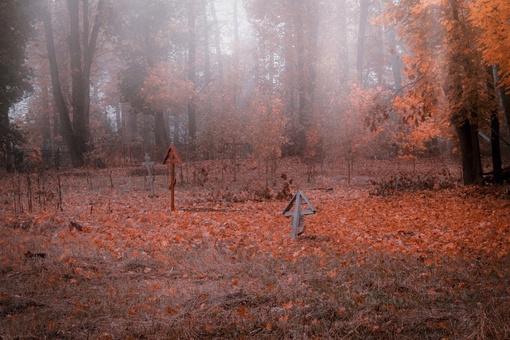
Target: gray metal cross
x,y
298,224
150,176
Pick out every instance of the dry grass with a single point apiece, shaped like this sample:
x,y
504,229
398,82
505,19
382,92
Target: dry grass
x,y
211,294
59,283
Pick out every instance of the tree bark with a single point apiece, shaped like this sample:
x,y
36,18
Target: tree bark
x,y
161,137
396,63
217,39
343,55
66,129
470,150
207,54
78,99
82,48
497,165
360,55
504,99
191,108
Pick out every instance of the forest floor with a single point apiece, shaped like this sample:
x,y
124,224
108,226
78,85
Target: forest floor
x,y
410,254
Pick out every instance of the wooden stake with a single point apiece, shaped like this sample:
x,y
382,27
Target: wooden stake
x,y
172,158
172,186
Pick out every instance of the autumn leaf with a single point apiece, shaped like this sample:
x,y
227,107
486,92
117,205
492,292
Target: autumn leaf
x,y
287,305
242,312
170,310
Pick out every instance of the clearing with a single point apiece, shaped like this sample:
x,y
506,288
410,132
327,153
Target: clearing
x,y
89,255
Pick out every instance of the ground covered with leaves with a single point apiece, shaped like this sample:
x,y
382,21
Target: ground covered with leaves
x,y
88,255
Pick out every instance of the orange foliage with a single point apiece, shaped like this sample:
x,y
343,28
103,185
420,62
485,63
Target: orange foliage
x,y
166,88
426,225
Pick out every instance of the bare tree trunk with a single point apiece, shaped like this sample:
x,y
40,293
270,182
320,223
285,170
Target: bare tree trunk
x,y
343,55
396,63
504,99
80,126
217,39
82,49
191,108
161,137
497,165
236,37
207,54
66,129
360,56
470,150
505,102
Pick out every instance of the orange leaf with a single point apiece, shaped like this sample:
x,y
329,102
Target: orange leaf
x,y
287,305
170,310
242,311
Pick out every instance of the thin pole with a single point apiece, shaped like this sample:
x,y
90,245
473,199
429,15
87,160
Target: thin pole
x,y
172,186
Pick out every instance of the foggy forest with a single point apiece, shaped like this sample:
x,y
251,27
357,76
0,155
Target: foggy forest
x,y
254,169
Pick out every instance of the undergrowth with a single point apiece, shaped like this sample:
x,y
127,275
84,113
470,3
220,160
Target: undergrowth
x,y
414,182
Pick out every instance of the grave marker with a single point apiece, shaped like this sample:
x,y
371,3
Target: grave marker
x,y
298,214
172,157
150,173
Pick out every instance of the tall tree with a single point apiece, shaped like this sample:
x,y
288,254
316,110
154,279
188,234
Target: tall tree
x,y
192,66
82,48
440,38
15,31
288,53
147,36
362,28
492,18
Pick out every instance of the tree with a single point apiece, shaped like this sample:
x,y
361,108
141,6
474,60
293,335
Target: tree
x,y
492,18
148,36
82,48
444,72
15,31
192,72
288,35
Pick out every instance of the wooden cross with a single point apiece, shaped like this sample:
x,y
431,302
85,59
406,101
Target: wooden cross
x,y
150,176
298,224
172,157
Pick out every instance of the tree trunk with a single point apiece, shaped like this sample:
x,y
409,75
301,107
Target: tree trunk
x,y
5,144
207,54
46,125
505,103
191,108
300,134
504,99
132,121
161,137
470,150
78,100
477,156
66,129
497,166
396,63
217,39
343,55
236,38
82,49
360,56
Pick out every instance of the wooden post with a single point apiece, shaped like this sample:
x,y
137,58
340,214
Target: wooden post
x,y
172,158
172,186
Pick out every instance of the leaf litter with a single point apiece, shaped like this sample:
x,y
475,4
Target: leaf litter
x,y
411,263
